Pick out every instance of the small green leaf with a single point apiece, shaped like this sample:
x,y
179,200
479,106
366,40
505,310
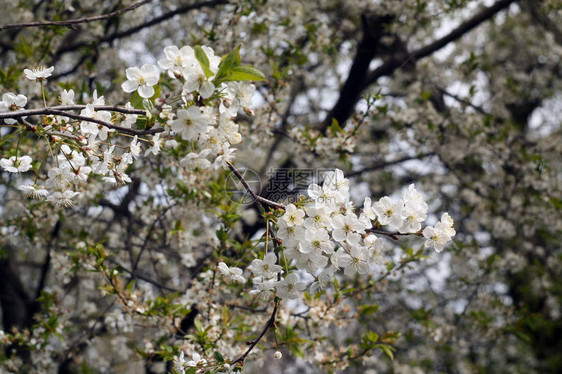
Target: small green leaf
x,y
136,101
201,56
373,336
368,309
221,235
245,73
230,60
219,358
335,127
388,350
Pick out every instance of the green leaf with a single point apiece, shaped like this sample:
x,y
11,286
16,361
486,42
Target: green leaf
x,y
335,127
388,350
390,337
245,73
201,56
373,336
221,235
230,60
219,358
136,101
368,309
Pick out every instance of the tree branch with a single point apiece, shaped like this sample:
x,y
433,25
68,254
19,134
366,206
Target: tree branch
x,y
394,63
60,111
270,323
366,51
135,29
359,80
74,21
382,165
258,200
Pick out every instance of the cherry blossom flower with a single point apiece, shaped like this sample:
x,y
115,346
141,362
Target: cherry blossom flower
x,y
231,274
412,216
38,73
267,267
317,240
33,191
290,287
63,198
176,59
191,123
11,103
142,80
196,360
368,209
293,216
179,363
16,164
388,212
67,97
156,144
355,261
436,236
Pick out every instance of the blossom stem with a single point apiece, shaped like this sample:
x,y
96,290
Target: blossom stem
x,y
43,93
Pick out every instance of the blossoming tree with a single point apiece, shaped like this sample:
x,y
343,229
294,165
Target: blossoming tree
x,y
350,128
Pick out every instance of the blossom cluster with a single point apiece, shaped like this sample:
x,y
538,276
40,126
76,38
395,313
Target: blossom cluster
x,y
206,122
324,234
205,117
180,365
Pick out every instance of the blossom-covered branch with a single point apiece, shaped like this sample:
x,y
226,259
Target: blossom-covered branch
x,y
63,111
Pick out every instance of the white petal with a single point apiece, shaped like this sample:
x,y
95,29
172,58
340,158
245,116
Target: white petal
x,y
207,90
130,86
133,73
146,91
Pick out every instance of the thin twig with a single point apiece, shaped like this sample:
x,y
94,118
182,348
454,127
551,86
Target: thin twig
x,y
382,165
394,235
135,29
75,21
270,323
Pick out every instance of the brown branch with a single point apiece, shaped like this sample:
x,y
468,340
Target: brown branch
x,y
135,29
394,235
258,200
32,112
74,21
462,101
393,64
60,111
344,107
366,50
382,165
